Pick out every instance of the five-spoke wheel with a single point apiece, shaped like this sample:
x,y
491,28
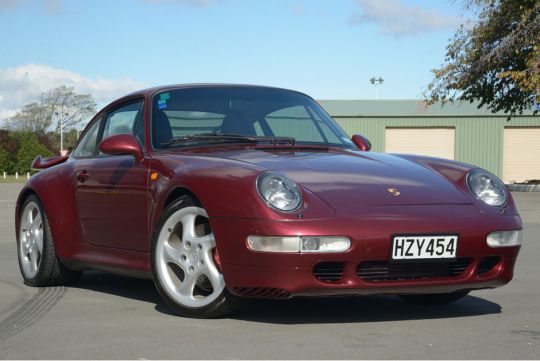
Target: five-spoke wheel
x,y
31,239
184,263
38,261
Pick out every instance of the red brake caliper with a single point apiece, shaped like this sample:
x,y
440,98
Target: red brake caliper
x,y
217,261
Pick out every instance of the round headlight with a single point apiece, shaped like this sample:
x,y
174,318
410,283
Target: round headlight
x,y
487,187
279,192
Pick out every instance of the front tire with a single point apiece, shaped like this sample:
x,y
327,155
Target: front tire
x,y
434,299
38,262
183,267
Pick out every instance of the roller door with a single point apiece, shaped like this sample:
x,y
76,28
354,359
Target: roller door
x,y
521,154
435,142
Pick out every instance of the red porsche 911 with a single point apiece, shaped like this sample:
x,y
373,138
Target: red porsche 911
x,y
220,193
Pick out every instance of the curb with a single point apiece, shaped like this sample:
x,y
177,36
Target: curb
x,y
524,187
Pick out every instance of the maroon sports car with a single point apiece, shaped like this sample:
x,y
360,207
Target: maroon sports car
x,y
220,193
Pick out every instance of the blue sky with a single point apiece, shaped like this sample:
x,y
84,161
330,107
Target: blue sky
x,y
326,48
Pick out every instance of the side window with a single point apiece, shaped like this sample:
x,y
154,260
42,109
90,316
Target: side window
x,y
139,129
87,147
122,120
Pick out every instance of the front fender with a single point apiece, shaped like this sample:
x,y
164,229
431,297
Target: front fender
x,y
225,188
456,173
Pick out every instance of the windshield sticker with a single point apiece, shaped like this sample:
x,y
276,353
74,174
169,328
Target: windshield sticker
x,y
164,96
162,104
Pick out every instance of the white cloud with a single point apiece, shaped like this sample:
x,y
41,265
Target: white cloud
x,y
51,7
23,84
396,18
10,4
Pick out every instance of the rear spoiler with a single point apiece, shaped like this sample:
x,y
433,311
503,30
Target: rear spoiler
x,y
42,163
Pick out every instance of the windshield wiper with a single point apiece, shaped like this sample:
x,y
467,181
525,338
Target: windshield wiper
x,y
228,138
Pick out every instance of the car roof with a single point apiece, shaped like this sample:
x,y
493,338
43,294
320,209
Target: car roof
x,y
157,89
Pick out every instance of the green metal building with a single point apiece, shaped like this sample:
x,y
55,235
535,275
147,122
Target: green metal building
x,y
510,149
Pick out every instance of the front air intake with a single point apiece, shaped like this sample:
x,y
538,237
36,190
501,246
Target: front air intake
x,y
262,292
328,271
486,264
380,271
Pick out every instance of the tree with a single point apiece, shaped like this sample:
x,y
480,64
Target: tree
x,y
59,107
5,161
496,60
29,148
10,144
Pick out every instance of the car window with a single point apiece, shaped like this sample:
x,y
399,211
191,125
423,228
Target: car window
x,y
139,129
87,147
239,111
193,122
122,120
294,120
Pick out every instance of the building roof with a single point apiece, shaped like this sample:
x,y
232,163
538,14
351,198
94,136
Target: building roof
x,y
405,108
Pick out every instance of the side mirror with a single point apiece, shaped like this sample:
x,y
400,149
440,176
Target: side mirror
x,y
361,142
122,144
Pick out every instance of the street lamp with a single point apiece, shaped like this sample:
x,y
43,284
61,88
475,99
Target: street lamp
x,y
61,132
376,82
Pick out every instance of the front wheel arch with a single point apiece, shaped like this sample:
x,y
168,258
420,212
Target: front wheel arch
x,y
219,304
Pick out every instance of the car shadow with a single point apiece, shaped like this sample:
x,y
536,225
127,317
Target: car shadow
x,y
302,310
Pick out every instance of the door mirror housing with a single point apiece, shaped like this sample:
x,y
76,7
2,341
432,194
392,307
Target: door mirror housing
x,y
122,144
361,142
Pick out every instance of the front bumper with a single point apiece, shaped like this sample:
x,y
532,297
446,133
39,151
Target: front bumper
x,y
370,229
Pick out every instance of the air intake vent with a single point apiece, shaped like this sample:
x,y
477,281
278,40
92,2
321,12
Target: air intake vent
x,y
262,292
328,271
486,264
377,271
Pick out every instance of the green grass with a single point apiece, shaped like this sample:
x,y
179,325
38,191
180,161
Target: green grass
x,y
12,179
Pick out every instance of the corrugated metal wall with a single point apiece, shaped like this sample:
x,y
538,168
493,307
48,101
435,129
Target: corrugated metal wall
x,y
479,139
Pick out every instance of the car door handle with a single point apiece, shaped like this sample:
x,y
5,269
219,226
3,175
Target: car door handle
x,y
82,176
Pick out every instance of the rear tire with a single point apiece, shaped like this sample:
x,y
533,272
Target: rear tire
x,y
183,266
434,299
38,261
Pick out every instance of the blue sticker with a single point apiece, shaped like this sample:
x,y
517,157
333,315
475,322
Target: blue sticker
x,y
162,101
162,105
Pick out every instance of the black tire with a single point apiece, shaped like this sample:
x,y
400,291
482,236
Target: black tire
x,y
434,299
224,305
50,271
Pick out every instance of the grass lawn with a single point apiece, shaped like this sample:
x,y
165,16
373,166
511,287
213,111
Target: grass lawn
x,y
12,179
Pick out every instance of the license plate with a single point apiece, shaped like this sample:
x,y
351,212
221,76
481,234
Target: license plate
x,y
424,247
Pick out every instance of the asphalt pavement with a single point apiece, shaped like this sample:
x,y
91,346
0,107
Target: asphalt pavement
x,y
111,317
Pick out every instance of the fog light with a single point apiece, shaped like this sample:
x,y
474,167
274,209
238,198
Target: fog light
x,y
298,244
505,238
325,244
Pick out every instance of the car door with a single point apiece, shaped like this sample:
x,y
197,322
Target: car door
x,y
111,190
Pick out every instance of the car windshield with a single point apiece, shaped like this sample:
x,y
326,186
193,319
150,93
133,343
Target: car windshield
x,y
185,116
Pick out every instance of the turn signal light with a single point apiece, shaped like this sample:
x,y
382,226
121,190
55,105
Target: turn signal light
x,y
300,244
505,238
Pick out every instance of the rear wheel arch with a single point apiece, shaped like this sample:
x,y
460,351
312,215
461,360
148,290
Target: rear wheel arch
x,y
25,193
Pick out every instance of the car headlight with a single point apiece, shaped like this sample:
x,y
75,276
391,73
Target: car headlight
x,y
487,187
279,192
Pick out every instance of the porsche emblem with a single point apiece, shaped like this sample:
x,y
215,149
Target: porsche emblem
x,y
393,191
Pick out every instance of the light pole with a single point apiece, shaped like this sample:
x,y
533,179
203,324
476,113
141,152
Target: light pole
x,y
376,82
61,131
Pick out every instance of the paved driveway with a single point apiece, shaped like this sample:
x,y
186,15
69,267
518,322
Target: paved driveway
x,y
107,316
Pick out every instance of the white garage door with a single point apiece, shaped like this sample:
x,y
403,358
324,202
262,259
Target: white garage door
x,y
521,154
435,142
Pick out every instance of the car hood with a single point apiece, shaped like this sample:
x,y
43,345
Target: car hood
x,y
349,178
